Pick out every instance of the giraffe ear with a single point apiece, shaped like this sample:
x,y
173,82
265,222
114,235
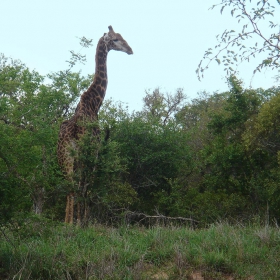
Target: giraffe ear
x,y
107,37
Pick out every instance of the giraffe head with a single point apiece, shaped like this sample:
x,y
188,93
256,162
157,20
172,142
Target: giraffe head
x,y
115,41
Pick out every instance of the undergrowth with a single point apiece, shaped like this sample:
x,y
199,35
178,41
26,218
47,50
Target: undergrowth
x,y
45,250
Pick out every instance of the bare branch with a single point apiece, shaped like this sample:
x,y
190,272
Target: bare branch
x,y
129,215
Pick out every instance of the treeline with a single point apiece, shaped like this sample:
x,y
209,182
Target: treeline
x,y
211,158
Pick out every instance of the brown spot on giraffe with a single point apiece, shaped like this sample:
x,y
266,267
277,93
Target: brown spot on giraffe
x,y
90,102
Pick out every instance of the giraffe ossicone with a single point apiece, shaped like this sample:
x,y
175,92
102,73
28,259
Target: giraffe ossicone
x,y
87,110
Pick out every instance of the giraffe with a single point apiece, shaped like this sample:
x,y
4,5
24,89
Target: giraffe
x,y
87,110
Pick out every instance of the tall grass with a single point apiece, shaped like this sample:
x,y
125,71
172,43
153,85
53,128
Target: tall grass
x,y
43,250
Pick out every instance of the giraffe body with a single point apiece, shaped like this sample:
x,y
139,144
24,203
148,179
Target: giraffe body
x,y
87,110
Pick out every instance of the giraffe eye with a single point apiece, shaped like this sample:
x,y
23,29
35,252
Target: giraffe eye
x,y
115,40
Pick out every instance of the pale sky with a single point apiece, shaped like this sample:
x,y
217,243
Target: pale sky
x,y
168,39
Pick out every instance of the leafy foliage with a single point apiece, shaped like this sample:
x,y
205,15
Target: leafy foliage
x,y
30,115
214,157
234,47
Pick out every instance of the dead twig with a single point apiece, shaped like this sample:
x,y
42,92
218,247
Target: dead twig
x,y
129,215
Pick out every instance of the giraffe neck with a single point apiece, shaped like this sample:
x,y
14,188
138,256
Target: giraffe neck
x,y
92,99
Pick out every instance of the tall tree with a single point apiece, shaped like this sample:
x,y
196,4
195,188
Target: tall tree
x,y
30,111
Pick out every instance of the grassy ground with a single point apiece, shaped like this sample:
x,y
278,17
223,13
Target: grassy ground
x,y
41,250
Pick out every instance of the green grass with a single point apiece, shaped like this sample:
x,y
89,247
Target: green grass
x,y
43,250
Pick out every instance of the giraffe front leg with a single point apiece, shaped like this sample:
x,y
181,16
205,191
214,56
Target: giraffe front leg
x,y
78,214
71,208
67,209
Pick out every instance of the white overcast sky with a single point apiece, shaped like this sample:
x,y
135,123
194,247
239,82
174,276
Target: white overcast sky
x,y
168,39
